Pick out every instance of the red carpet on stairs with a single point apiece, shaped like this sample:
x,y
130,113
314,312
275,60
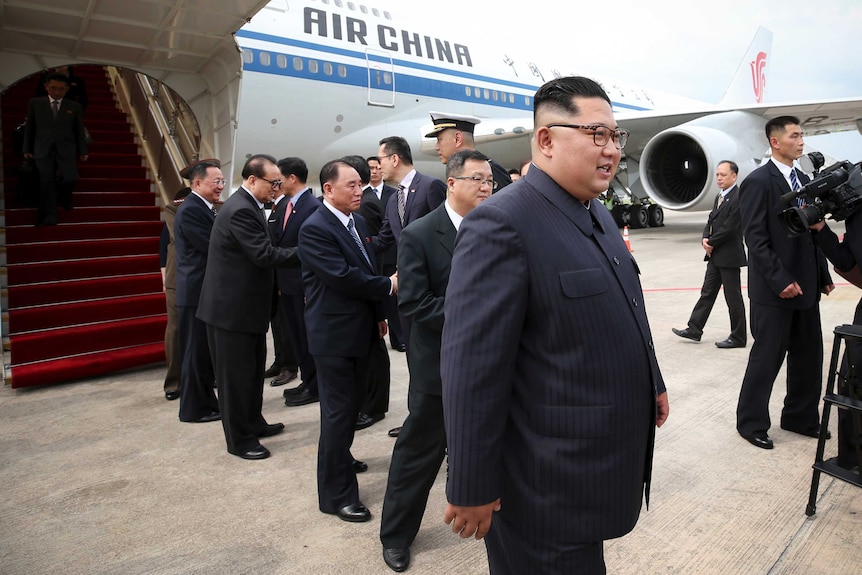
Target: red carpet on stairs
x,y
83,298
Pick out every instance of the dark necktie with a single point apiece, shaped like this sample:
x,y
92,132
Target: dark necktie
x,y
356,239
55,107
402,204
214,211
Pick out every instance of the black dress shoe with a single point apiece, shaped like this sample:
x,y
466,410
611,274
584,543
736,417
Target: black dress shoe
x,y
686,333
259,452
354,513
401,348
364,420
304,397
359,466
397,558
760,440
213,416
271,429
815,433
294,390
283,377
172,395
394,432
728,344
272,371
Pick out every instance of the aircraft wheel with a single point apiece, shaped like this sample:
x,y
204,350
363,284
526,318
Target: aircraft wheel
x,y
621,215
656,216
639,217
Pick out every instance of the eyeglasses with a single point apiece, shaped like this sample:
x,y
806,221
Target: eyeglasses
x,y
274,183
601,134
386,156
219,181
478,179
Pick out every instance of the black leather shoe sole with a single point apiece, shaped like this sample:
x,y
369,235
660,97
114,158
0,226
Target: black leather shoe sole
x,y
815,433
728,344
397,558
172,395
394,432
214,416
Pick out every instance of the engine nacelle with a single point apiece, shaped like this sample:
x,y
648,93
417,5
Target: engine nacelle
x,y
677,165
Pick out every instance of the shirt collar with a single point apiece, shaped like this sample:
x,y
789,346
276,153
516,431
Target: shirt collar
x,y
454,216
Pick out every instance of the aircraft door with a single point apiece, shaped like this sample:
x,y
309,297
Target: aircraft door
x,y
381,79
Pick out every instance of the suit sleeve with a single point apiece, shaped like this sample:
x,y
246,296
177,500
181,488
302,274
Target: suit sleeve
x,y
245,227
436,194
415,296
731,222
486,303
837,252
196,229
321,254
385,238
755,208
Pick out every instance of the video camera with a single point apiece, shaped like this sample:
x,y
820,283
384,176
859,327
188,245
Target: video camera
x,y
836,192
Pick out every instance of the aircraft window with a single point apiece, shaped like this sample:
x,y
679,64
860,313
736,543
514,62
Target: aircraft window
x,y
339,3
487,93
387,78
297,64
281,61
387,15
527,101
495,95
363,9
312,66
376,12
511,98
468,91
351,6
264,59
327,68
342,71
247,56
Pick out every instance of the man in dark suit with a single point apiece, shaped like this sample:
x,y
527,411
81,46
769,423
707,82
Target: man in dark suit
x,y
54,137
725,254
192,226
285,364
235,304
416,195
344,319
375,198
548,431
299,203
425,256
454,132
785,278
168,265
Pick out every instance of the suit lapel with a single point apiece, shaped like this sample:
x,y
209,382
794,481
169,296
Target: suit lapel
x,y
446,229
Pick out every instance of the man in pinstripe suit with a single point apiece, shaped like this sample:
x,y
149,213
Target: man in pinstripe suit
x,y
550,432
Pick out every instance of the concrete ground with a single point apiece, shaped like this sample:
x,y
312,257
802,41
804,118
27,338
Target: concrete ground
x,y
99,476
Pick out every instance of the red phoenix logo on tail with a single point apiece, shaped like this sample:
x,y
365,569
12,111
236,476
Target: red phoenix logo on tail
x,y
758,78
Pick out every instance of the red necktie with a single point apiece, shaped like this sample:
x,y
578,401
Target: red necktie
x,y
287,213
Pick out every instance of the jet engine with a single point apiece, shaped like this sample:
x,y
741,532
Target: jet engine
x,y
677,165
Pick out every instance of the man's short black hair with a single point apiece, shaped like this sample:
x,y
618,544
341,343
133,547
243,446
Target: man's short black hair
x,y
359,164
293,167
59,77
455,164
560,92
254,166
778,124
733,167
397,146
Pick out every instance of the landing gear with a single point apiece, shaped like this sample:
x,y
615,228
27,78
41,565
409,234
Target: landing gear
x,y
656,216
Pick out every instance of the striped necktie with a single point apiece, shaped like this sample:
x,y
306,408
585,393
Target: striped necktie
x,y
794,185
55,107
402,204
355,236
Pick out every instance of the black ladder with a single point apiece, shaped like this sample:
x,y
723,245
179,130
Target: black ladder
x,y
851,336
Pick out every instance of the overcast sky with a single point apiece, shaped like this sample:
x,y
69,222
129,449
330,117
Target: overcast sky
x,y
683,47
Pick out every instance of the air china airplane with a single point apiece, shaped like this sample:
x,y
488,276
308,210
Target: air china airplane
x,y
326,78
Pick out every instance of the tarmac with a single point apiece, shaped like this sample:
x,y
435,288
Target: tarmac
x,y
100,477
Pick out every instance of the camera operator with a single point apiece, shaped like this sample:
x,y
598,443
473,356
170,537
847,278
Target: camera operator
x,y
785,278
845,256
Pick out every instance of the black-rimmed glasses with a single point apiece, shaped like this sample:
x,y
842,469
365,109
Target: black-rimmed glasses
x,y
601,134
478,179
274,183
